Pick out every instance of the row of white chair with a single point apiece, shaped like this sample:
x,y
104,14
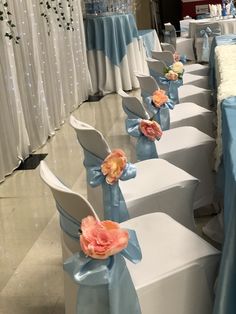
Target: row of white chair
x,y
178,269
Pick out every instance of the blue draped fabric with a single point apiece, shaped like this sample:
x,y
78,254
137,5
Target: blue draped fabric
x,y
100,29
149,37
171,87
114,203
145,148
226,285
160,115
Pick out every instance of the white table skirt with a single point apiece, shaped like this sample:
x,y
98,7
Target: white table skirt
x,y
107,77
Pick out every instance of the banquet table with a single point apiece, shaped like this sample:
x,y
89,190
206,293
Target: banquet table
x,y
227,26
114,52
223,60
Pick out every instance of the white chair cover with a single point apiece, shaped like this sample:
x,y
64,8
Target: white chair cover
x,y
173,193
177,265
183,114
184,46
194,68
187,93
188,78
185,147
200,41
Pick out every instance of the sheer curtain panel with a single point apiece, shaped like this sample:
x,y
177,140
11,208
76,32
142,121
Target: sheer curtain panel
x,y
42,79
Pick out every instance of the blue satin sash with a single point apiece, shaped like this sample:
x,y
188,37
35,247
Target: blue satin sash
x,y
105,286
114,203
171,87
160,115
183,59
205,33
145,148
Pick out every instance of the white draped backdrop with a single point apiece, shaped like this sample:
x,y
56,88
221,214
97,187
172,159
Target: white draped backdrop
x,y
42,80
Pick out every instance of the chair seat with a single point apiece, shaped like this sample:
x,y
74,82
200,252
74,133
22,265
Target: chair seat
x,y
198,95
196,68
166,184
190,114
177,258
196,80
190,150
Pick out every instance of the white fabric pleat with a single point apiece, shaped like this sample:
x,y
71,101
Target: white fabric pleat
x,y
42,80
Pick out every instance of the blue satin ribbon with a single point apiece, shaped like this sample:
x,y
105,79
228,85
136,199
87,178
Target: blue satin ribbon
x,y
160,115
114,204
205,33
105,286
183,59
145,148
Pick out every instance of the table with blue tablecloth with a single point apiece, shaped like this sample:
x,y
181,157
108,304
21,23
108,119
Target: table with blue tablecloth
x,y
223,70
114,52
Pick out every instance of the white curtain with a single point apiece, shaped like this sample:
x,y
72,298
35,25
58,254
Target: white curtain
x,y
42,79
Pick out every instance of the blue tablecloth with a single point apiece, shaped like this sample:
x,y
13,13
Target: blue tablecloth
x,y
149,39
226,286
217,41
111,34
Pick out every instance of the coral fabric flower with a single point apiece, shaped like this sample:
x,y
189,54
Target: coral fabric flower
x,y
101,239
159,98
172,76
114,165
178,67
176,56
151,129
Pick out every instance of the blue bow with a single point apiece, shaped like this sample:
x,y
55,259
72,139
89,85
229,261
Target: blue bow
x,y
114,204
105,286
145,148
160,115
205,33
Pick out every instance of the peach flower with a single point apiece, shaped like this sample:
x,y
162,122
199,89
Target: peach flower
x,y
178,67
114,165
171,75
151,129
159,98
101,239
176,56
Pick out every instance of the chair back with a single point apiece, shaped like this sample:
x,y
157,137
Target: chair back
x,y
164,56
147,84
167,47
133,104
214,28
90,139
156,66
73,204
170,34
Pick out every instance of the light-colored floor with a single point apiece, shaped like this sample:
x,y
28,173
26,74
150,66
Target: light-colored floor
x,y
31,276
